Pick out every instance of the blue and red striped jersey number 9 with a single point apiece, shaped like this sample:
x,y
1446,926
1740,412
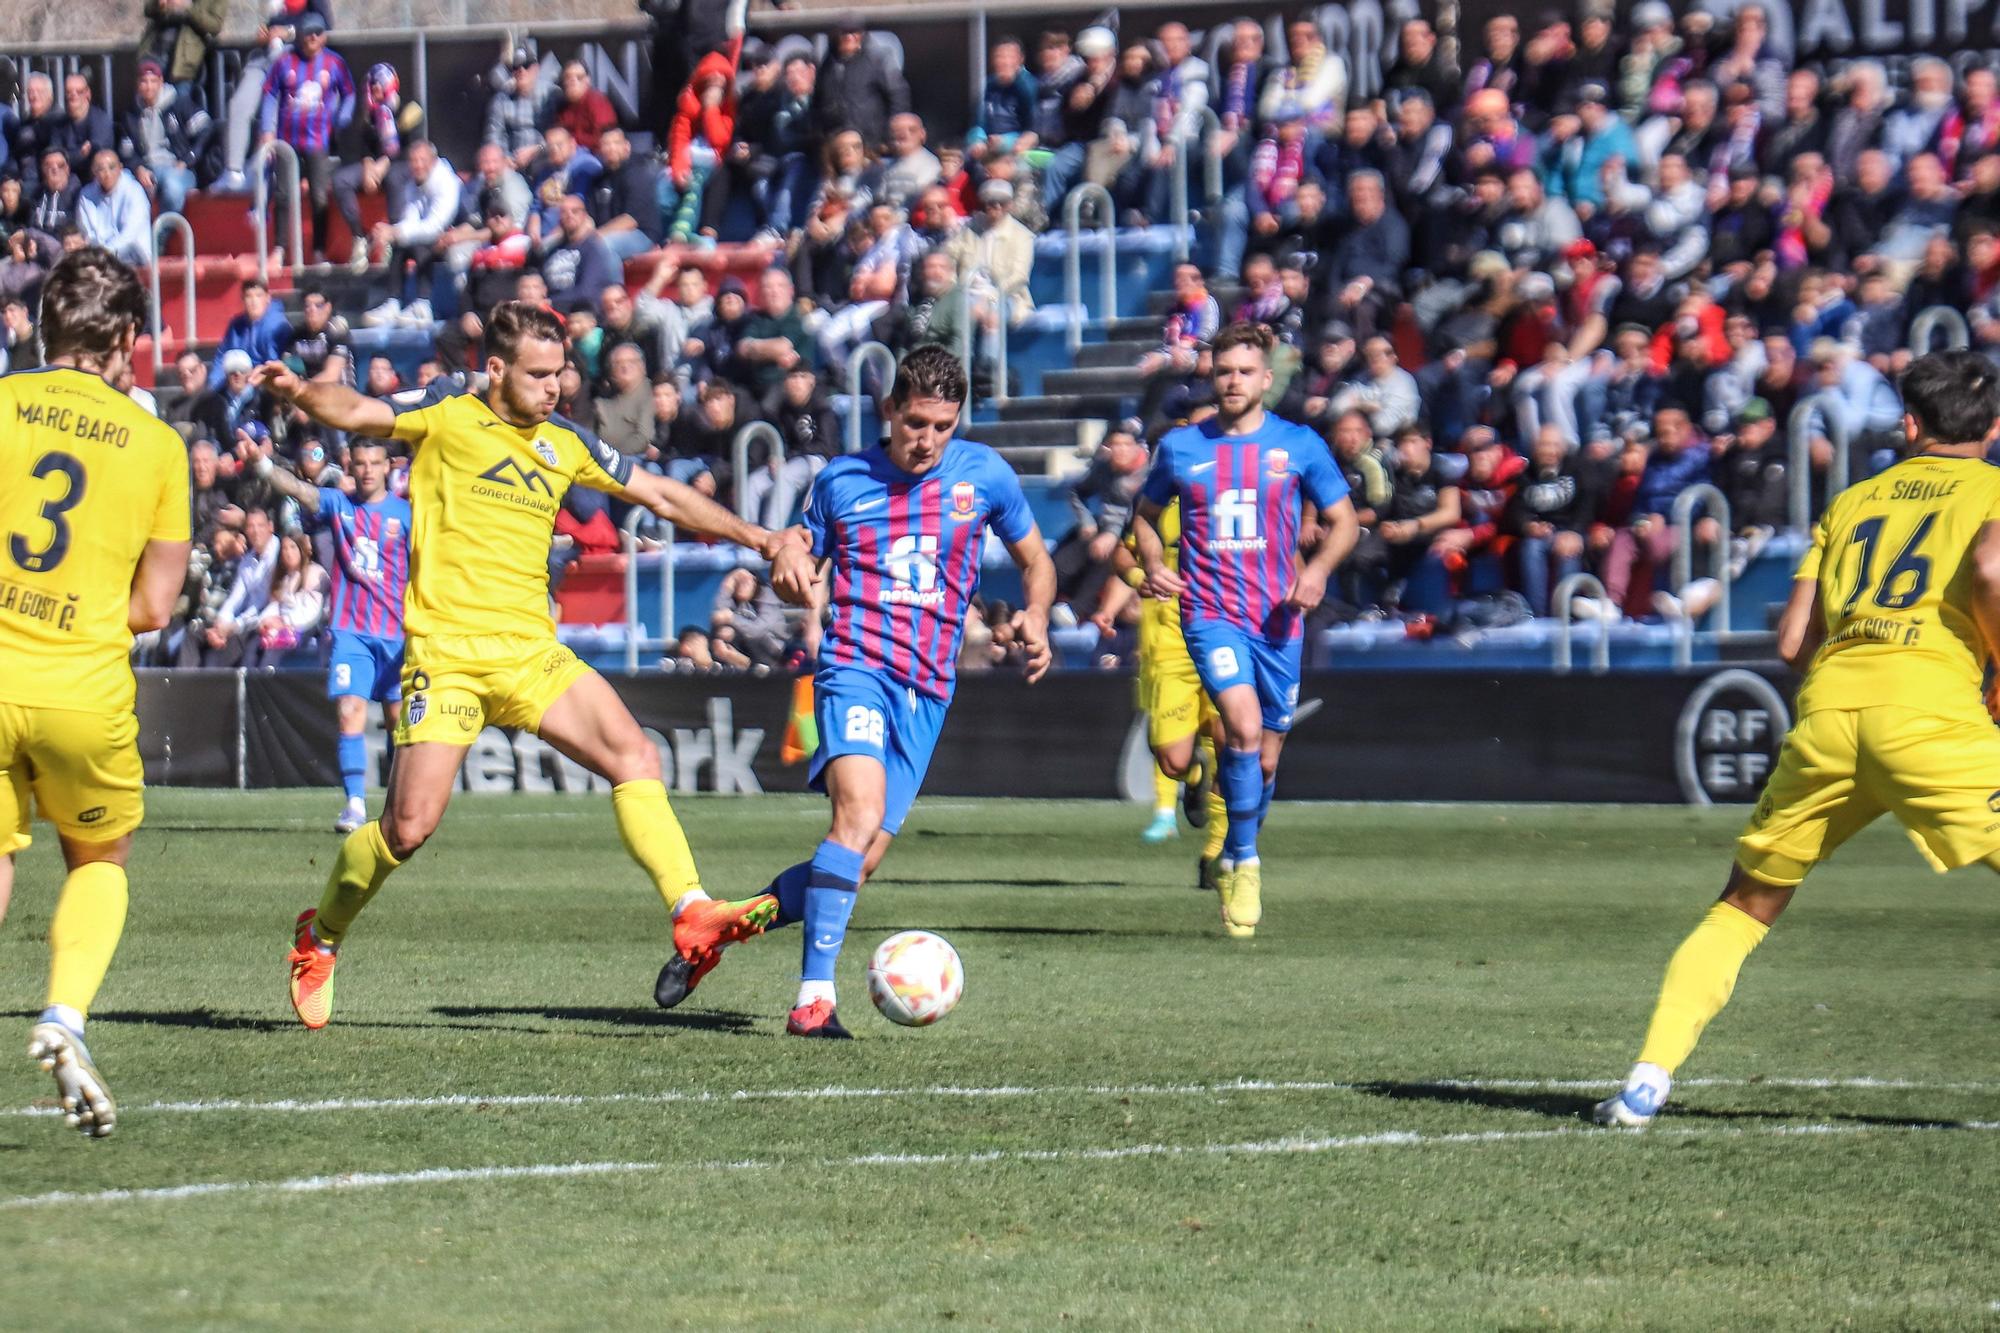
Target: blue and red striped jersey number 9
x,y
41,559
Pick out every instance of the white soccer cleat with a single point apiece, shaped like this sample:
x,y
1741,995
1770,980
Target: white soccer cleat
x,y
86,1102
1635,1105
352,816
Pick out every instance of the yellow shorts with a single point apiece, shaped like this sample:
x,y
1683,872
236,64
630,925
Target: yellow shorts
x,y
82,769
1170,693
454,685
1840,768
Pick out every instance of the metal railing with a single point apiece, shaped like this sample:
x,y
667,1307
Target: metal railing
x,y
1683,567
1957,334
1799,457
740,455
1107,280
1600,652
1211,125
176,223
969,342
260,205
630,530
857,361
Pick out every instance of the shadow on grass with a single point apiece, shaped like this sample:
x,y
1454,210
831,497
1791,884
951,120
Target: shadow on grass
x,y
1079,932
1571,1106
993,882
710,1020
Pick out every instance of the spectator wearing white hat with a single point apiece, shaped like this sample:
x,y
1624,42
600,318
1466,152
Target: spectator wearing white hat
x,y
1082,115
995,253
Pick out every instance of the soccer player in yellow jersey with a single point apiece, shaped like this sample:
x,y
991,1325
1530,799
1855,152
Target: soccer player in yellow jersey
x,y
1894,615
93,549
487,479
1180,717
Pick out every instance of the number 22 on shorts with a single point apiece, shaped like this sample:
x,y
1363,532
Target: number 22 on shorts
x,y
864,726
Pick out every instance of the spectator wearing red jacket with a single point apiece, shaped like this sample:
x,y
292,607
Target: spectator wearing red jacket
x,y
1472,550
703,126
585,112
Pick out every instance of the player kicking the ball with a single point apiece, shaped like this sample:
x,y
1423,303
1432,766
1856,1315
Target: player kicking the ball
x,y
1894,617
902,526
1240,478
94,499
488,478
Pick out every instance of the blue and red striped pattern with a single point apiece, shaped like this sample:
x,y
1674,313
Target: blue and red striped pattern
x,y
1241,508
371,567
905,552
306,103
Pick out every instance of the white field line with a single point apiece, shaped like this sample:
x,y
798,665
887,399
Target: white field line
x,y
1294,1144
1229,1087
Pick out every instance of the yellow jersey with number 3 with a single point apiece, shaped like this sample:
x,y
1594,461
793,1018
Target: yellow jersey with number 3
x,y
483,502
1893,557
87,478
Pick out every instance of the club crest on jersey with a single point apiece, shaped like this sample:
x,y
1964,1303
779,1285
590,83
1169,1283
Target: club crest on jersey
x,y
1276,461
546,452
964,499
392,528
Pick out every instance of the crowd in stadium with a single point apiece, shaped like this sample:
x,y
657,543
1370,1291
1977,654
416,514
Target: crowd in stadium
x,y
1529,295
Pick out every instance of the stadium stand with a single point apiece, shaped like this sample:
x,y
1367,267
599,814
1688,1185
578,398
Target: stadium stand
x,y
1594,318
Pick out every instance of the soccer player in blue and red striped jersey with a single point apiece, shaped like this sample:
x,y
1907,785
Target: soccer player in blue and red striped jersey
x,y
371,568
902,526
1242,478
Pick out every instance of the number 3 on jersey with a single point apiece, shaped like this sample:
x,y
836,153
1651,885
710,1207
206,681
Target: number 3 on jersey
x,y
45,557
1908,576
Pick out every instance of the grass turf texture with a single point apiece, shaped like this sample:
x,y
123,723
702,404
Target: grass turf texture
x,y
1402,947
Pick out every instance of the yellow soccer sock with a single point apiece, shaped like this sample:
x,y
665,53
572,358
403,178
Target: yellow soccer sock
x,y
1700,977
1166,790
90,916
654,839
1218,809
359,871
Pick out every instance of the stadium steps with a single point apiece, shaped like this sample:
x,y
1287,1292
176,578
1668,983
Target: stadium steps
x,y
1122,354
1094,380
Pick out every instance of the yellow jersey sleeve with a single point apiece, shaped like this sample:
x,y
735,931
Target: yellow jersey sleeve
x,y
421,411
1815,551
595,464
87,478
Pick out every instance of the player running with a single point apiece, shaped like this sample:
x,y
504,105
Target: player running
x,y
94,513
488,477
903,525
1894,618
1180,719
371,547
1240,478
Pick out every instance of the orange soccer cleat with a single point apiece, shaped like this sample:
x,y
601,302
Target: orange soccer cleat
x,y
817,1019
312,974
702,930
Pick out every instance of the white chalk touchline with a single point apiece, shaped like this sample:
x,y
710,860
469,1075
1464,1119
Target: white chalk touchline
x,y
1302,1144
476,1101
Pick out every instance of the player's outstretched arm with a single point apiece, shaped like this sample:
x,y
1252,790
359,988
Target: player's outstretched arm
x,y
257,457
156,585
1802,627
1342,528
1161,582
793,572
1038,590
333,405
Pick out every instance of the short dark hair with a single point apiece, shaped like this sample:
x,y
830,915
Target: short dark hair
x,y
1246,333
514,322
1955,396
258,283
90,300
365,442
929,372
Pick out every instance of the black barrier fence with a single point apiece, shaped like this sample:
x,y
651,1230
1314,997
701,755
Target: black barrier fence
x,y
1438,736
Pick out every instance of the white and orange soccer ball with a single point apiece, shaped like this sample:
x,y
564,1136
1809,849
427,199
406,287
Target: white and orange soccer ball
x,y
915,978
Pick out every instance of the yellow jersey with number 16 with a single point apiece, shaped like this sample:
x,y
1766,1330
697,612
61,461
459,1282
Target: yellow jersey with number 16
x,y
1893,557
483,503
87,478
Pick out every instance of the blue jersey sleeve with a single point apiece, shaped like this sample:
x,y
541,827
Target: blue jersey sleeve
x,y
1161,486
1319,478
818,516
1008,512
333,504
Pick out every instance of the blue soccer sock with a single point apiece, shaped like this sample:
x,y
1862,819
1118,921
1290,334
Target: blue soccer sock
x,y
789,888
1264,806
353,765
1243,794
835,879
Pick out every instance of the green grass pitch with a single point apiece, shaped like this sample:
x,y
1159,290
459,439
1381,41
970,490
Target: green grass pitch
x,y
1366,1118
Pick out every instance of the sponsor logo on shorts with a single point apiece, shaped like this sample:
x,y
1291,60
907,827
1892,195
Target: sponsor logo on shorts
x,y
555,659
414,709
1993,803
466,715
92,815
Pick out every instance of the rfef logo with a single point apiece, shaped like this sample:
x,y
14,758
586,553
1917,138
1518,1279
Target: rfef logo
x,y
1728,737
512,475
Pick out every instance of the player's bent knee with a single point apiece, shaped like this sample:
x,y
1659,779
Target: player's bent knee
x,y
76,852
352,713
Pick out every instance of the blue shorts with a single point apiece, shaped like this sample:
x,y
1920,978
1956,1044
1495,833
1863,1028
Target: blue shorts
x,y
865,712
365,667
1227,655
